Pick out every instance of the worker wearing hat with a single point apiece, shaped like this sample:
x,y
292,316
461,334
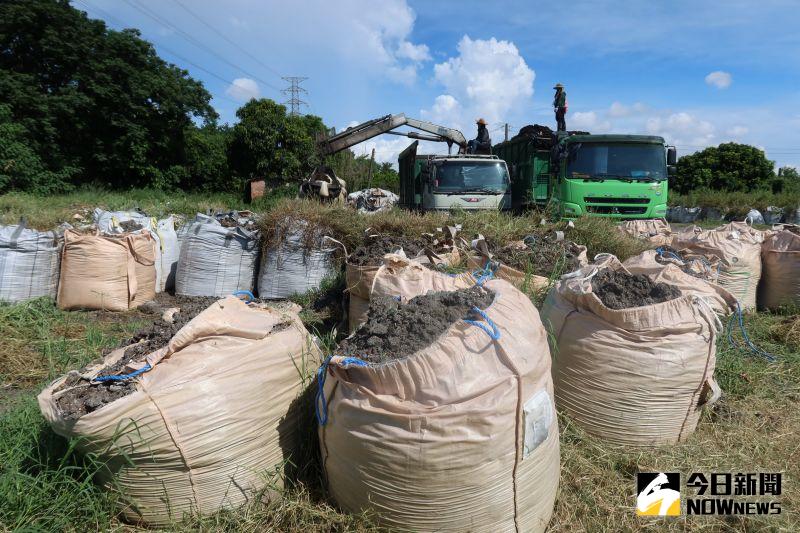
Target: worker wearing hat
x,y
482,144
560,106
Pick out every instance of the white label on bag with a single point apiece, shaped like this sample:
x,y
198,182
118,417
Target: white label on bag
x,y
538,417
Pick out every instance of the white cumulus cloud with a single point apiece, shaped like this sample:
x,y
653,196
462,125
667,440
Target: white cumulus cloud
x,y
488,79
243,89
587,121
719,79
619,110
682,128
738,131
415,52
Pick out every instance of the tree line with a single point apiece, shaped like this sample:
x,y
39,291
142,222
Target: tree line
x,y
83,104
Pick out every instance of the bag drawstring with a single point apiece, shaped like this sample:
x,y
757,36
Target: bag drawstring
x,y
737,315
494,333
320,403
485,274
123,377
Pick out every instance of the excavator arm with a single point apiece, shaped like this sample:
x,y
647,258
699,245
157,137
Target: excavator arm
x,y
373,128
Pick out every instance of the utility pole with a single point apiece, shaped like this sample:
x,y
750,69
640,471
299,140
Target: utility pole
x,y
371,162
506,131
293,91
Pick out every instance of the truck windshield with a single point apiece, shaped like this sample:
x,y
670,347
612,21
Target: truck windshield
x,y
627,161
471,176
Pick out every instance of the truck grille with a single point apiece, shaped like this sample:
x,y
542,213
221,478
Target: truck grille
x,y
606,200
616,209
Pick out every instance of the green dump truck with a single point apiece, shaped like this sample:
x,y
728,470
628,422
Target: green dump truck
x,y
619,176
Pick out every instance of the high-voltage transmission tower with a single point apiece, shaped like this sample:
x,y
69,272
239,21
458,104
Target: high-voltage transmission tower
x,y
293,91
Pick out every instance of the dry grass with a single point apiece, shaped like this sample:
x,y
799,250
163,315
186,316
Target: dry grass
x,y
349,227
755,427
787,331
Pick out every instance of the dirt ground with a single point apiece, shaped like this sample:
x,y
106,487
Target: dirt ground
x,y
85,397
385,336
542,257
374,248
620,290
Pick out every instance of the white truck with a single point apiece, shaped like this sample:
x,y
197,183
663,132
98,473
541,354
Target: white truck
x,y
434,182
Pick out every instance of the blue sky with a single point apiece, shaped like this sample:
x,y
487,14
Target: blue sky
x,y
696,72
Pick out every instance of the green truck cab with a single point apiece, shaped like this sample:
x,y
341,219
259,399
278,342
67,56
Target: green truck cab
x,y
618,176
444,182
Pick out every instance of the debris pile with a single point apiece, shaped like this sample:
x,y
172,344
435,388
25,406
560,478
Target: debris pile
x,y
372,200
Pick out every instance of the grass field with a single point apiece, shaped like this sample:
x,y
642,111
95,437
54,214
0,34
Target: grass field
x,y
45,485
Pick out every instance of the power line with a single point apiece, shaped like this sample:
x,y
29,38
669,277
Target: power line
x,y
147,12
294,90
166,49
225,37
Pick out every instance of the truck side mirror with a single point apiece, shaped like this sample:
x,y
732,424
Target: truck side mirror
x,y
672,170
672,156
513,171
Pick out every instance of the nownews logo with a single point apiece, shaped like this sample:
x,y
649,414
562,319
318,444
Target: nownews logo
x,y
659,494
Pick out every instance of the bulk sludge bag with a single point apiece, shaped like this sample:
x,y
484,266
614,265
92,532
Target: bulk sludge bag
x,y
113,272
298,263
780,280
656,231
212,417
460,435
641,375
652,261
29,263
216,260
568,257
167,248
738,247
360,268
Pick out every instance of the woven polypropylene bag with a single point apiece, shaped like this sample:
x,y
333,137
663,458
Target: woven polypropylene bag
x,y
291,267
113,272
656,231
638,376
459,436
29,263
215,260
359,281
780,278
209,425
738,247
167,247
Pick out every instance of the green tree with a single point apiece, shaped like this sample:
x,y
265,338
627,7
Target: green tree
x,y
20,166
727,167
97,105
268,143
355,171
206,158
